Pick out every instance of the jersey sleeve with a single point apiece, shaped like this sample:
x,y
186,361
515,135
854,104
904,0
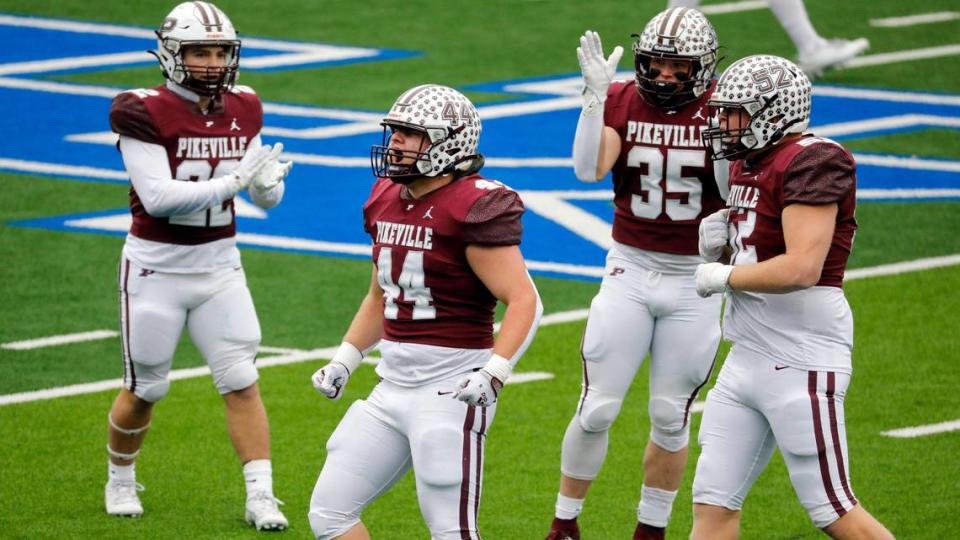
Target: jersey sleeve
x,y
821,174
129,117
494,219
617,99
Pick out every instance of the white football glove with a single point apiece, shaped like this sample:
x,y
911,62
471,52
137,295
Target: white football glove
x,y
481,388
714,235
712,278
272,173
331,378
250,165
597,71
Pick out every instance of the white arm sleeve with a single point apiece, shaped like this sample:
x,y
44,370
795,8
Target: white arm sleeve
x,y
160,193
533,327
586,145
721,172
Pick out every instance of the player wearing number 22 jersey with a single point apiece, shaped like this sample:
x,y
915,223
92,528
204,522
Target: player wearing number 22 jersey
x,y
445,250
190,146
647,133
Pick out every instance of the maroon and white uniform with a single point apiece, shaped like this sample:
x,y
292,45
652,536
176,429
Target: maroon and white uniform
x,y
433,302
664,184
438,326
180,264
663,181
785,379
810,328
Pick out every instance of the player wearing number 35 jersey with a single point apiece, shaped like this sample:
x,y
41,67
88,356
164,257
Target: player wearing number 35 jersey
x,y
647,132
790,229
190,146
445,250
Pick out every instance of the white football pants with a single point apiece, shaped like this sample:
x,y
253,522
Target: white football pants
x,y
758,405
382,437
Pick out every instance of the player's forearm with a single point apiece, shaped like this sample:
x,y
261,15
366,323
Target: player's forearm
x,y
519,325
366,329
161,194
586,145
781,274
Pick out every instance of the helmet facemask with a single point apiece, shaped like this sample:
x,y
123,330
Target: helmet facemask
x,y
450,128
669,94
675,34
775,95
198,24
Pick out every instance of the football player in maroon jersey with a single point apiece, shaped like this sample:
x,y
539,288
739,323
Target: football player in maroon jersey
x,y
190,146
647,132
788,233
445,249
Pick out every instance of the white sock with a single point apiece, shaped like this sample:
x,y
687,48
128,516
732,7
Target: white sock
x,y
567,507
125,473
794,19
655,506
258,475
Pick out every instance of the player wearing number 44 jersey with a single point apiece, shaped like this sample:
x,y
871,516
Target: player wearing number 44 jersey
x,y
647,132
190,146
445,249
790,227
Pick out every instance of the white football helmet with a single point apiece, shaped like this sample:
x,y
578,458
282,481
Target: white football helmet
x,y
451,127
773,92
682,34
197,24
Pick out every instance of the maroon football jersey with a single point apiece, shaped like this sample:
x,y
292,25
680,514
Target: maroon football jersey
x,y
663,180
431,295
199,147
811,170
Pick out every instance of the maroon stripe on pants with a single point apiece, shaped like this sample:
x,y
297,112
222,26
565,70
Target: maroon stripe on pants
x,y
583,360
479,481
125,328
835,434
465,475
693,395
821,446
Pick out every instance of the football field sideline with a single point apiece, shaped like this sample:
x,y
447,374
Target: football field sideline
x,y
284,356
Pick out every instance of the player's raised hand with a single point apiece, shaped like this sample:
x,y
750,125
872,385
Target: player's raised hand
x,y
714,235
273,171
597,71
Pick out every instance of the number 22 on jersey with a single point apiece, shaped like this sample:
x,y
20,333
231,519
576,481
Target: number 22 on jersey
x,y
412,283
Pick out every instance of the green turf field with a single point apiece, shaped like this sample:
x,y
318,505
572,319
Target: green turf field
x,y
54,283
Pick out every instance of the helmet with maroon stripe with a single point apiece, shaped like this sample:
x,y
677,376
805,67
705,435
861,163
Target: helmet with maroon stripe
x,y
451,130
198,24
676,34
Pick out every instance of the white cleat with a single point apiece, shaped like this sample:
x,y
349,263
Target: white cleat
x,y
120,498
831,53
263,512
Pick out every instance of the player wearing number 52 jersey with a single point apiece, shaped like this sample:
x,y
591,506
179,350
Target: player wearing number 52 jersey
x,y
790,227
445,250
190,146
648,133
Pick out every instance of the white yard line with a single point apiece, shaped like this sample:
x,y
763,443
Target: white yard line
x,y
904,56
732,7
911,20
53,341
920,431
295,355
